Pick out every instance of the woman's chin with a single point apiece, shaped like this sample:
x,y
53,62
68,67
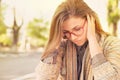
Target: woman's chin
x,y
79,43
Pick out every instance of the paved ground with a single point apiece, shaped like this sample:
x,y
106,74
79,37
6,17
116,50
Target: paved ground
x,y
13,66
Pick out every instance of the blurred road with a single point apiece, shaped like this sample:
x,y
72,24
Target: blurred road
x,y
15,66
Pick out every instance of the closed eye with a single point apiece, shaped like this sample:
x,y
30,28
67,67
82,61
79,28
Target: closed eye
x,y
77,28
65,31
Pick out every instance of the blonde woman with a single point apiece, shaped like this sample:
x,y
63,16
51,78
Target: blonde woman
x,y
78,48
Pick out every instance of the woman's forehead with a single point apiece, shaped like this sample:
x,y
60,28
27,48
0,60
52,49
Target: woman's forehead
x,y
72,21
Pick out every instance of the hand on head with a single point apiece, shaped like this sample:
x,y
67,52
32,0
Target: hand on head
x,y
90,27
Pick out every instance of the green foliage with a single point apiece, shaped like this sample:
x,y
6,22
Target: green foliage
x,y
37,30
113,11
37,42
2,25
5,40
2,29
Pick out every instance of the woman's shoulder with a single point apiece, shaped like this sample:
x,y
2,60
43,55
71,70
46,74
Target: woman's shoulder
x,y
53,59
111,46
50,59
45,71
112,40
109,42
47,63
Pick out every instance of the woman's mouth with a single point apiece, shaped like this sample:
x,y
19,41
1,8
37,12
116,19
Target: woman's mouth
x,y
77,41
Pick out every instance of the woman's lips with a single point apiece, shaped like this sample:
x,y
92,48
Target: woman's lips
x,y
77,41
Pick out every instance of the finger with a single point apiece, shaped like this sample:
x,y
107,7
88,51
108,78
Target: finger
x,y
91,24
88,21
88,18
92,20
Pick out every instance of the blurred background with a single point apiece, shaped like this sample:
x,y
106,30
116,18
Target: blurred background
x,y
24,30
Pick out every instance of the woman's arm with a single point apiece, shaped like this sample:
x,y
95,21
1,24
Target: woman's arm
x,y
45,71
106,65
49,68
106,58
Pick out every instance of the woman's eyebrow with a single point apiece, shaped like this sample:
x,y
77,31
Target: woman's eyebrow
x,y
65,31
77,26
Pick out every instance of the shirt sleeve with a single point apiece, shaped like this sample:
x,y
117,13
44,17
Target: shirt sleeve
x,y
46,71
49,68
106,65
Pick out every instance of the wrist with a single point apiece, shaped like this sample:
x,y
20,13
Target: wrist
x,y
92,39
94,47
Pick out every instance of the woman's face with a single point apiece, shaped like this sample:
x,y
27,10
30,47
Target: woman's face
x,y
75,29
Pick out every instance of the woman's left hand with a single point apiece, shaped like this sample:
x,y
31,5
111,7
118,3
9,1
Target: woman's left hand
x,y
90,27
91,36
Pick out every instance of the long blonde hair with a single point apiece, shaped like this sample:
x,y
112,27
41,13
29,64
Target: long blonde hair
x,y
63,12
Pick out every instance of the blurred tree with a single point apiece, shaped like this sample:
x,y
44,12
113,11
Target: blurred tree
x,y
113,15
2,28
15,29
4,39
37,30
2,25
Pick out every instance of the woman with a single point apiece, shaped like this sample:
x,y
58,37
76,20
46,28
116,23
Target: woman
x,y
78,48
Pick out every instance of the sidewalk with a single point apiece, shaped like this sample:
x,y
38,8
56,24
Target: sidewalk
x,y
18,67
30,76
22,53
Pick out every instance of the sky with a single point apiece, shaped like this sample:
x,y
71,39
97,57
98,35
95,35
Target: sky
x,y
29,9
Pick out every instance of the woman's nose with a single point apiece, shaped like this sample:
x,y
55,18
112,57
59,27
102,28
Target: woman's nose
x,y
73,37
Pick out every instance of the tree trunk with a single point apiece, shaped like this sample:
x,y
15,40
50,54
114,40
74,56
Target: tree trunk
x,y
114,32
16,29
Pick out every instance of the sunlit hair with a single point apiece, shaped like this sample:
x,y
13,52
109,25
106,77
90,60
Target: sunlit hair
x,y
64,11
